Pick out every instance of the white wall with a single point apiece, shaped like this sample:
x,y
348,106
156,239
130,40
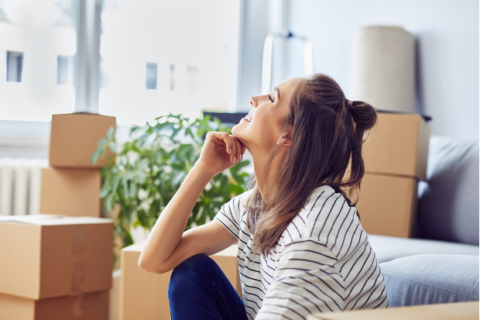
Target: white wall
x,y
447,33
254,30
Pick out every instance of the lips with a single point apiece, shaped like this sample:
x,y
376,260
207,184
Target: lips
x,y
249,116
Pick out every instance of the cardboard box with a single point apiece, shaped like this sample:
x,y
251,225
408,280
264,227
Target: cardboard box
x,y
387,205
398,145
443,311
114,308
90,306
74,138
46,256
70,192
144,295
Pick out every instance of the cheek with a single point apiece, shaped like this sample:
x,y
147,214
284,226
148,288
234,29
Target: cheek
x,y
264,129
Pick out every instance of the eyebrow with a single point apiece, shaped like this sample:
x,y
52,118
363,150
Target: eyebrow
x,y
278,92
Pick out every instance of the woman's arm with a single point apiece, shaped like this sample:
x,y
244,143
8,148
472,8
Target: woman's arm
x,y
167,245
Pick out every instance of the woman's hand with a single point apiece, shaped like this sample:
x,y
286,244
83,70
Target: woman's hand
x,y
220,152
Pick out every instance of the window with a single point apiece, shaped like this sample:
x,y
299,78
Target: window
x,y
151,76
14,66
65,70
169,56
156,57
38,43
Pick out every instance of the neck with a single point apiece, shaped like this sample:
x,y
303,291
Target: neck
x,y
259,162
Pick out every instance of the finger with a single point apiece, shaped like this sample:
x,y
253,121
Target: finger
x,y
239,150
228,143
234,155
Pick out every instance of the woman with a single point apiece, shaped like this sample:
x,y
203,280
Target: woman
x,y
301,247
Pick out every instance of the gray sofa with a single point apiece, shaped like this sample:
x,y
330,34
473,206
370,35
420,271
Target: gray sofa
x,y
440,263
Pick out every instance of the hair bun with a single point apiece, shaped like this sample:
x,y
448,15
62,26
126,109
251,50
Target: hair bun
x,y
363,114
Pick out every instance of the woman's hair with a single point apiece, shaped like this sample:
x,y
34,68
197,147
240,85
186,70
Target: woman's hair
x,y
326,149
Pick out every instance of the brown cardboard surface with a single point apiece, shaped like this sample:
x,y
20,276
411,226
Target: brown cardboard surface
x,y
114,307
70,192
144,295
16,308
444,311
45,256
397,145
74,139
89,306
387,205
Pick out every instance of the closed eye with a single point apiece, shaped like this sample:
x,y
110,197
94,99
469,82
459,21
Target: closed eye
x,y
270,97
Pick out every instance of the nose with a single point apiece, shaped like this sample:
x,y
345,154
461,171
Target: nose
x,y
254,102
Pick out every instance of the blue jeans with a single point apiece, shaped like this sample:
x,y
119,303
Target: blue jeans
x,y
199,289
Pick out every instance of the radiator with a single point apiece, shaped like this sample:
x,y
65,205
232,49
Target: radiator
x,y
20,181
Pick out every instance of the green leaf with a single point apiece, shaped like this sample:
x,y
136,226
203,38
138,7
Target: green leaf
x,y
133,190
125,188
134,129
111,133
112,146
178,177
102,142
104,191
95,156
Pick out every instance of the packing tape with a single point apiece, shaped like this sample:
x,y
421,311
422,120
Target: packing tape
x,y
78,278
79,268
78,306
78,239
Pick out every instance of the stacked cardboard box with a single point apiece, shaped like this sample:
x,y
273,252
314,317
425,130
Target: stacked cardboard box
x,y
145,295
439,311
395,155
71,186
55,267
114,309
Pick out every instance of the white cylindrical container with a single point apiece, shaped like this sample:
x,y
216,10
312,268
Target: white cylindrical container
x,y
383,73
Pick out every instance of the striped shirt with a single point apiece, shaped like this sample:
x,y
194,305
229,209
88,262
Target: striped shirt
x,y
323,261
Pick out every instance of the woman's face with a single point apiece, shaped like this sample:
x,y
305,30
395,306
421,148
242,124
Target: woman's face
x,y
260,130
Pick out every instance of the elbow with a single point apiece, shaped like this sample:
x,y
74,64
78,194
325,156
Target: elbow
x,y
144,265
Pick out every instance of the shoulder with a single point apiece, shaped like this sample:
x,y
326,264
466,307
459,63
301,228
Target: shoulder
x,y
237,204
323,221
240,200
231,214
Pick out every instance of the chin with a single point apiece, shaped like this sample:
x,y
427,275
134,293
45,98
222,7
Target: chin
x,y
235,129
237,133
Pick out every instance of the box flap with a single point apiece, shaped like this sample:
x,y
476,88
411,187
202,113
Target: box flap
x,y
50,219
82,112
28,218
425,117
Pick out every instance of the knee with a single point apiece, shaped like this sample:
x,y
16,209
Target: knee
x,y
193,266
191,271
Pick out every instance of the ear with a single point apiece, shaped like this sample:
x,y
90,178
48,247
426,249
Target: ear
x,y
285,140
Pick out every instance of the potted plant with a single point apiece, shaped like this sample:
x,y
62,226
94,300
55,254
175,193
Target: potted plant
x,y
146,171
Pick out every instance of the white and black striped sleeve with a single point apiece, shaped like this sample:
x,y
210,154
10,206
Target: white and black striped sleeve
x,y
305,283
228,215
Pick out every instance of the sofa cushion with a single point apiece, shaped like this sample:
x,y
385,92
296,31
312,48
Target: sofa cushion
x,y
448,204
431,278
389,248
